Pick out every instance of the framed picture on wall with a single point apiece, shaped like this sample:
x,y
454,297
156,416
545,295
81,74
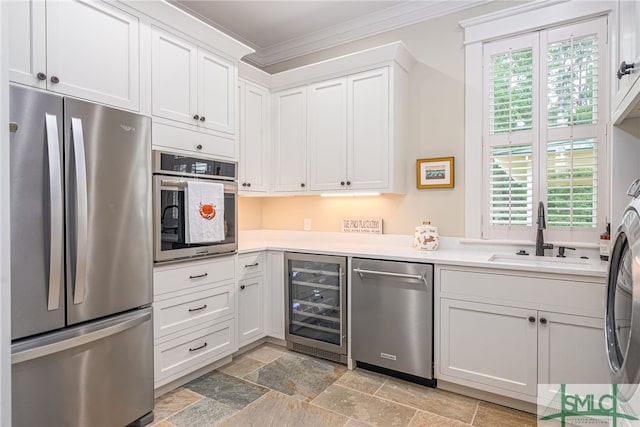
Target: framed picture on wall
x,y
434,173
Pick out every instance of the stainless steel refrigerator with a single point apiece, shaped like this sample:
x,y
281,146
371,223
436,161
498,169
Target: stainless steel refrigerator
x,y
81,269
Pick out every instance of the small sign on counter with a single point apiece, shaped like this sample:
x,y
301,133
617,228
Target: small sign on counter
x,y
367,226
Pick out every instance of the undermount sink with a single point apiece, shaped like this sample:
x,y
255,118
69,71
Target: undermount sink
x,y
539,260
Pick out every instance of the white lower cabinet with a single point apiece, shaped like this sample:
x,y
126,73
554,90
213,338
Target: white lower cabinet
x,y
499,331
250,309
275,295
194,312
571,350
489,344
251,297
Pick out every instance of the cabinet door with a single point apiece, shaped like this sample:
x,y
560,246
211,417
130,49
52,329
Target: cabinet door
x,y
275,300
174,77
368,130
628,46
254,137
571,350
27,46
250,306
489,344
216,92
92,52
290,135
328,135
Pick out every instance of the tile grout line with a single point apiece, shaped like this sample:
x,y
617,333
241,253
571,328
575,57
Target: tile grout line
x,y
475,413
186,407
243,409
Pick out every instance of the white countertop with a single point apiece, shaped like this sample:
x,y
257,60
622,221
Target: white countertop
x,y
396,247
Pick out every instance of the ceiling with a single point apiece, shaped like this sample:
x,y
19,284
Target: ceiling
x,y
281,30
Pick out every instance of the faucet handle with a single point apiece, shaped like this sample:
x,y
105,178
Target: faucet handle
x,y
561,251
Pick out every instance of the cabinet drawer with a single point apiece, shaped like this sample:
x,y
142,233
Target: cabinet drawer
x,y
193,141
183,277
250,264
189,352
183,312
559,294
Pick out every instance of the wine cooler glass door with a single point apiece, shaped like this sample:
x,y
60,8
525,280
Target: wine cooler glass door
x,y
316,301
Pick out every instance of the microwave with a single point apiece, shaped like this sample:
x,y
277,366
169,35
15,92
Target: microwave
x,y
172,174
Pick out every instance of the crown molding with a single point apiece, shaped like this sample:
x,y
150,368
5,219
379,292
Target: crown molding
x,y
404,14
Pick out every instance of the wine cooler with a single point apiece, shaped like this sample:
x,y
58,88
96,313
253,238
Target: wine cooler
x,y
316,301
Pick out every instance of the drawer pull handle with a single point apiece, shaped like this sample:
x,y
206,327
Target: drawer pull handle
x,y
199,276
199,308
255,264
198,348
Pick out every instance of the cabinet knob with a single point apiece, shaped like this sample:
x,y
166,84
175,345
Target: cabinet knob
x,y
41,76
55,79
199,146
543,320
248,184
341,182
348,182
196,117
202,119
244,184
241,287
532,319
624,69
302,185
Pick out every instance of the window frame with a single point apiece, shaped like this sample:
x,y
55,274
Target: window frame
x,y
504,24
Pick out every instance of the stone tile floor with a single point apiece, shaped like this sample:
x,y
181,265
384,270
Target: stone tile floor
x,y
271,386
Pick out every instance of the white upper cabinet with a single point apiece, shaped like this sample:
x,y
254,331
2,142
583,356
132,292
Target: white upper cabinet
x,y
349,134
368,137
254,138
216,83
290,140
190,84
174,77
354,124
80,60
328,135
27,44
626,87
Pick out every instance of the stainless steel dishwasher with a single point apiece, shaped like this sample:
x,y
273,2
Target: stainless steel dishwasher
x,y
392,318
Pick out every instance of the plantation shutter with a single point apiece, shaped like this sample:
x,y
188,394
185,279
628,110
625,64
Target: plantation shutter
x,y
572,144
510,75
545,133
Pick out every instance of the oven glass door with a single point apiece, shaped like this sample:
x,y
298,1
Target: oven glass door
x,y
170,233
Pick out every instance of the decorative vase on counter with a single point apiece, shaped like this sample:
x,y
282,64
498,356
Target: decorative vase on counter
x,y
426,237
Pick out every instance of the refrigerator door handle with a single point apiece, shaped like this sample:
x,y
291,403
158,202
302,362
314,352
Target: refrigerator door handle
x,y
81,210
56,215
80,339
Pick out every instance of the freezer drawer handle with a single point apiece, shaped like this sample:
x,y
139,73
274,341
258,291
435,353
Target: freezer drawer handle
x,y
82,339
199,308
390,274
56,215
198,348
199,276
82,209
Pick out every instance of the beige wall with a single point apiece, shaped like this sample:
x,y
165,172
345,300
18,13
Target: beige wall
x,y
436,129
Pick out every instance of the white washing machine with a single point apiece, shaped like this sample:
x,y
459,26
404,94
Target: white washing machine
x,y
622,318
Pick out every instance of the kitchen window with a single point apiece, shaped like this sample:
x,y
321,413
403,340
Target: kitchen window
x,y
544,133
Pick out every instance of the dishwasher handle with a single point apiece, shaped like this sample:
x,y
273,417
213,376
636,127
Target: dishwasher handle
x,y
362,272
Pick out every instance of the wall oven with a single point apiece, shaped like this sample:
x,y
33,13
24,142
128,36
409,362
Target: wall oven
x,y
171,176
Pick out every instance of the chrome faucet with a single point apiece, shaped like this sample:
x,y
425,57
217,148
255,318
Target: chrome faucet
x,y
542,224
